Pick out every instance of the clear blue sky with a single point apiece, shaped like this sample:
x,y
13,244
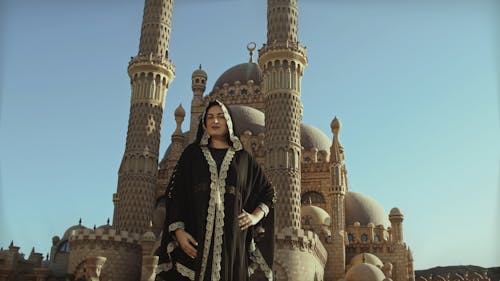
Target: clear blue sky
x,y
415,83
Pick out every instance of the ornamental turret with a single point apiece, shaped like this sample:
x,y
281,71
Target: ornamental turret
x,y
335,267
198,85
396,219
150,75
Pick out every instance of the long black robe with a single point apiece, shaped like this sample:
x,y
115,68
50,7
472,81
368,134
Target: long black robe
x,y
224,251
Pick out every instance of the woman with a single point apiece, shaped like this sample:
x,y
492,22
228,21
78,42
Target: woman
x,y
216,197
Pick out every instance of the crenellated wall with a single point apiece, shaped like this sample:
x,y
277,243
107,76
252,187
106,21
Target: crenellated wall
x,y
122,251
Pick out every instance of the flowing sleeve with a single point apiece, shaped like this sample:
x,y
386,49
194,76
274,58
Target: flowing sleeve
x,y
175,196
261,250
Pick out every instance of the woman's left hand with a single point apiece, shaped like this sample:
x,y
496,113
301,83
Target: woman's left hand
x,y
246,219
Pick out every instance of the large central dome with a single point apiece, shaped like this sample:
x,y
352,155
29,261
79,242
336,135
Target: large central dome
x,y
242,72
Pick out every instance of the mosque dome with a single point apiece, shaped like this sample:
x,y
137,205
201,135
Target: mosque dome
x,y
366,258
363,209
242,72
313,215
249,118
105,227
70,230
364,272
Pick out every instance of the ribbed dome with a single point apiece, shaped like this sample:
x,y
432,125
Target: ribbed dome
x,y
363,209
364,272
366,258
313,215
241,72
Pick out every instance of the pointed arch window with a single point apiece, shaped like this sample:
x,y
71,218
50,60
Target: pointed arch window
x,y
312,197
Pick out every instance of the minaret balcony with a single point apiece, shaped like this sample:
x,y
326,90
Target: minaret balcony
x,y
146,63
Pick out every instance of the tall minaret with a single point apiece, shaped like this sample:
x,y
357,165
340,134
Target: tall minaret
x,y
150,75
335,266
282,61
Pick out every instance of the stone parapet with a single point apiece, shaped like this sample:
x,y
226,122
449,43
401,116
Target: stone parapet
x,y
104,235
303,241
283,46
299,256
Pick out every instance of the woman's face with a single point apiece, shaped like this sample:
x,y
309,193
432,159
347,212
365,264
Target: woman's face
x,y
216,122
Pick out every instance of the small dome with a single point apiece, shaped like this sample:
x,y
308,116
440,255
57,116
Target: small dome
x,y
364,272
313,215
242,72
363,209
70,230
366,258
105,227
179,111
395,212
199,73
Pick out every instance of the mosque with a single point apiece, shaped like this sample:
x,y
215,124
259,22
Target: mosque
x,y
324,231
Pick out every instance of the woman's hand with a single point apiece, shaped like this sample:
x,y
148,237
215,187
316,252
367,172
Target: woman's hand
x,y
187,242
246,219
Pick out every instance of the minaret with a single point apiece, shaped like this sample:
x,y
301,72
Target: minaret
x,y
198,85
335,266
150,75
282,61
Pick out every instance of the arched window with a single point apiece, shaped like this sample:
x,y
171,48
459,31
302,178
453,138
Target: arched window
x,y
350,237
63,247
312,197
307,159
364,237
376,238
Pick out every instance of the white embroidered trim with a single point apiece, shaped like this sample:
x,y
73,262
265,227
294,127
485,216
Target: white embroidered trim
x,y
184,271
258,261
176,225
164,267
264,208
170,248
215,212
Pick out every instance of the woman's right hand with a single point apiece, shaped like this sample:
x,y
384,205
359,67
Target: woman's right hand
x,y
187,242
